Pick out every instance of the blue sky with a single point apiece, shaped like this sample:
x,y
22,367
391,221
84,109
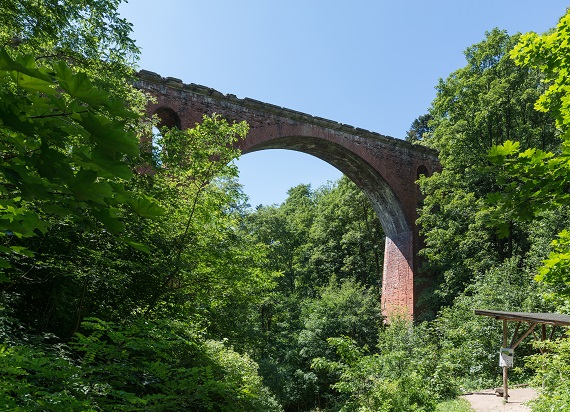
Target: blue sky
x,y
369,64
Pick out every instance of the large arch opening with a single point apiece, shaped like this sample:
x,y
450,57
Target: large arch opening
x,y
267,175
376,188
398,269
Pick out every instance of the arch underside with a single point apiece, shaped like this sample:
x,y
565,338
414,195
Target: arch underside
x,y
369,180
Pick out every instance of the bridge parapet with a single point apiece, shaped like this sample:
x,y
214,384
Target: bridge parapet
x,y
147,77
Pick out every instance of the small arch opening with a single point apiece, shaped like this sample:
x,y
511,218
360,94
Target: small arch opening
x,y
167,118
422,171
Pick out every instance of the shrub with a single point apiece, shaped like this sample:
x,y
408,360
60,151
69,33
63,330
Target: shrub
x,y
150,366
404,375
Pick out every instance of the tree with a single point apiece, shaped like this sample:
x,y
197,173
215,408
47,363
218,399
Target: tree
x,y
485,103
70,129
343,308
161,365
535,180
62,155
69,118
327,243
89,35
346,237
403,372
419,129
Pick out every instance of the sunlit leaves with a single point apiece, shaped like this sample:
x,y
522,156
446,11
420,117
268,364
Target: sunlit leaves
x,y
144,205
531,182
482,120
556,268
203,151
534,181
198,244
549,54
392,379
87,30
63,150
498,153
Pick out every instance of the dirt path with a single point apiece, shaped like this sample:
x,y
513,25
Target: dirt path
x,y
487,401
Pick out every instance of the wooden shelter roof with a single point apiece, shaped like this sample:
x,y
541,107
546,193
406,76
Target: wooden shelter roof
x,y
533,319
554,319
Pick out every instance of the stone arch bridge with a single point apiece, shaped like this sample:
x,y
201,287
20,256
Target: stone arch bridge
x,y
384,168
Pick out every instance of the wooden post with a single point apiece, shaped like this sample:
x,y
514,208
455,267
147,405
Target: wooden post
x,y
543,338
505,368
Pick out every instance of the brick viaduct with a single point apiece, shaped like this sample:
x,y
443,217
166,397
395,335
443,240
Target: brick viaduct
x,y
384,168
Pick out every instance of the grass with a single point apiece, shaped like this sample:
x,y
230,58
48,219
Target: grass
x,y
455,405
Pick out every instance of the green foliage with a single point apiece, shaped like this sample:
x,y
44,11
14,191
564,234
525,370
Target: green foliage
x,y
549,54
470,343
202,257
457,245
552,368
533,180
40,378
486,103
63,156
164,366
345,237
328,244
556,269
161,319
482,242
316,234
155,366
343,308
201,260
420,129
404,375
138,301
88,34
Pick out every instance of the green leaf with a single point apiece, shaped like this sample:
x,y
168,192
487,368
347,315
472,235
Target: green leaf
x,y
114,168
137,245
497,154
22,251
8,64
145,206
111,136
35,84
79,86
56,209
108,217
4,264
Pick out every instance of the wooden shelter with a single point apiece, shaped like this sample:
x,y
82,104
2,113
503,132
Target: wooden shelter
x,y
532,320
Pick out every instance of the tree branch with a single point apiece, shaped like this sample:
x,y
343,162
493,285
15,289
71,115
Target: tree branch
x,y
56,115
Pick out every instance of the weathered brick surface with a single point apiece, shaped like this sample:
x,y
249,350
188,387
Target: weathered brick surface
x,y
383,167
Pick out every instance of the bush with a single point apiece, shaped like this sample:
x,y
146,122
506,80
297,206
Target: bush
x,y
404,375
150,366
552,369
